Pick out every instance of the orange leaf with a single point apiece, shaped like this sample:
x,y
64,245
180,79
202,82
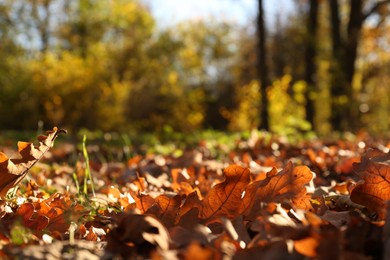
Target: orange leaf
x,y
143,202
191,201
12,171
374,169
277,187
196,251
166,209
31,218
53,214
225,198
307,246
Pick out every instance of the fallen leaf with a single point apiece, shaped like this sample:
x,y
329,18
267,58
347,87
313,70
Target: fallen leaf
x,y
166,209
195,251
53,214
307,246
12,171
183,237
374,191
225,198
143,202
137,235
288,184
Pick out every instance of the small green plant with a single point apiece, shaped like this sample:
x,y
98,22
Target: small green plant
x,y
88,175
19,234
74,175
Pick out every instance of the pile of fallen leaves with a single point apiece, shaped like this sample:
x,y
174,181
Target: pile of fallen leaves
x,y
265,199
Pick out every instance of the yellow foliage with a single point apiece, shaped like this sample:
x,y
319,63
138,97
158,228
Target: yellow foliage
x,y
71,91
125,13
246,116
111,110
286,107
195,109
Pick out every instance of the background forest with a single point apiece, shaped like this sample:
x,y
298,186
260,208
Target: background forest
x,y
108,65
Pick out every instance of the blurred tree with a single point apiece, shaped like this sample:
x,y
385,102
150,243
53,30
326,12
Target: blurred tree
x,y
15,101
205,64
310,71
287,112
84,24
41,18
262,66
246,115
105,41
287,45
344,52
66,89
373,72
106,65
244,112
293,54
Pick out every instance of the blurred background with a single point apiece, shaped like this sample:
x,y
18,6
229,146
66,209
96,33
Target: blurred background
x,y
290,66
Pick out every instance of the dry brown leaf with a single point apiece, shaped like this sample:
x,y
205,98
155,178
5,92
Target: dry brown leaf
x,y
12,171
143,202
225,198
288,184
137,235
53,214
374,169
166,209
189,211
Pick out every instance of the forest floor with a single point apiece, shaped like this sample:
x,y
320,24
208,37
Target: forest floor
x,y
244,197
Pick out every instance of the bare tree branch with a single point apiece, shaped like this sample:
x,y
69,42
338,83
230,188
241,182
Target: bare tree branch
x,y
374,8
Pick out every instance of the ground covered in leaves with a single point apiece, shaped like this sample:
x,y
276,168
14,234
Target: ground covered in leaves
x,y
259,197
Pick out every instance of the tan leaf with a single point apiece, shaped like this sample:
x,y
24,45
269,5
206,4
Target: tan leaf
x,y
12,171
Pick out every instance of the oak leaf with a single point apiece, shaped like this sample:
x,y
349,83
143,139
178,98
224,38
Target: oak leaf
x,y
12,171
189,211
288,184
53,214
225,198
166,209
374,191
143,201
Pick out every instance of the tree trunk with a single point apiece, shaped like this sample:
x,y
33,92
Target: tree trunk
x,y
353,35
345,113
339,86
312,25
262,67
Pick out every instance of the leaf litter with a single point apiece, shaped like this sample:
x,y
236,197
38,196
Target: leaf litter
x,y
264,198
